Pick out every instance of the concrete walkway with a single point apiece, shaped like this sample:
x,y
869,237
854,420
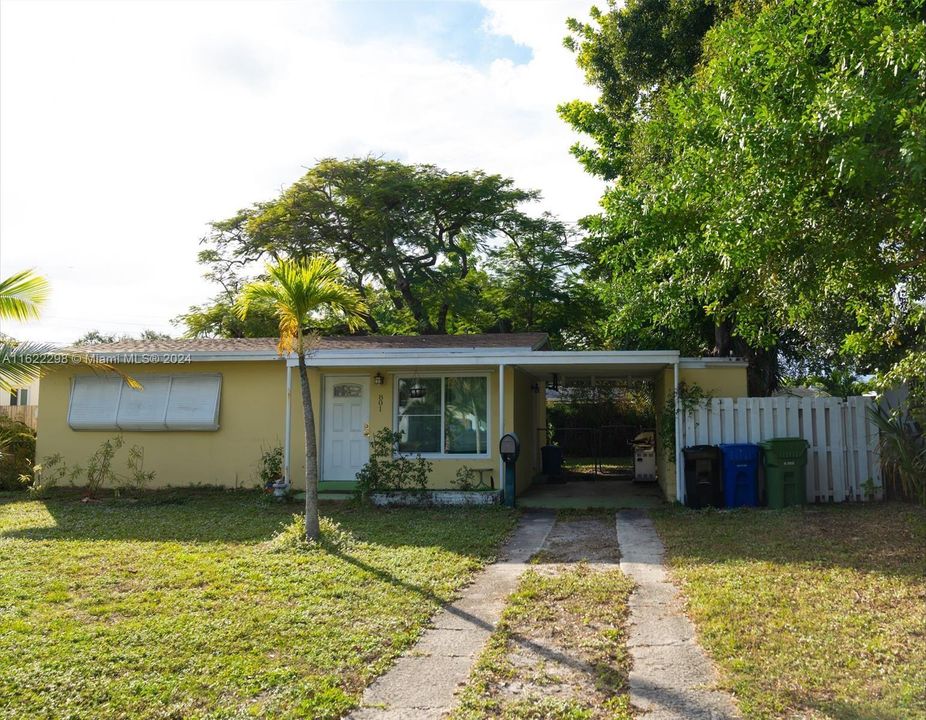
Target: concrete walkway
x,y
672,678
422,683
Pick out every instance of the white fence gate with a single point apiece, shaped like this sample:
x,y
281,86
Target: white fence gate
x,y
843,455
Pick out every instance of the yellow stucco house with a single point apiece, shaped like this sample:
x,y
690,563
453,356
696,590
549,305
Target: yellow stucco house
x,y
209,407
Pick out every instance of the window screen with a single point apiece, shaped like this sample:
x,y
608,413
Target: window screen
x,y
166,402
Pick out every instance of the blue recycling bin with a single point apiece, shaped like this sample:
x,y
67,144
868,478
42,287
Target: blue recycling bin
x,y
740,474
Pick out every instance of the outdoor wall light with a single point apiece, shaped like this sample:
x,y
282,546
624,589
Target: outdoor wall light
x,y
378,379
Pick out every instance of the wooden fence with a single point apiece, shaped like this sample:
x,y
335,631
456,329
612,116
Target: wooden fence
x,y
843,461
26,414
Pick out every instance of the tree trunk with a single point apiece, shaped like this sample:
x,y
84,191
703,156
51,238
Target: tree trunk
x,y
311,456
723,339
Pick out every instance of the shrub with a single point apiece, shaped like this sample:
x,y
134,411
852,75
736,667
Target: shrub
x,y
47,474
465,479
390,469
270,466
903,451
138,477
17,454
99,466
97,473
291,537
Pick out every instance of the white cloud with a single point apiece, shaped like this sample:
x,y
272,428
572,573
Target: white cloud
x,y
126,127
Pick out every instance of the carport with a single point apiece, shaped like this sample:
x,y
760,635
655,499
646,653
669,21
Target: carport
x,y
662,368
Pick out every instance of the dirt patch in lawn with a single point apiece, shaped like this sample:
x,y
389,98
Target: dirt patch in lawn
x,y
559,651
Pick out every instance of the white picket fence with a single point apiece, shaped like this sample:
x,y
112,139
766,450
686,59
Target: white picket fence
x,y
843,454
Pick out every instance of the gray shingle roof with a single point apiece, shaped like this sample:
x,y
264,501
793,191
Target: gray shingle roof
x,y
534,341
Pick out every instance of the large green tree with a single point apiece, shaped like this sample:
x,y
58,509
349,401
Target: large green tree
x,y
409,233
535,284
776,190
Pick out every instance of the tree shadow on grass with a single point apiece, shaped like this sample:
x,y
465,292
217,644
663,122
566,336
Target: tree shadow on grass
x,y
193,516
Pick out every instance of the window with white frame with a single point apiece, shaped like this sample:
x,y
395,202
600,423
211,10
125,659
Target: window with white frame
x,y
165,402
443,415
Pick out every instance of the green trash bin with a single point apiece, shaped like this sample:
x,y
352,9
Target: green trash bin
x,y
785,461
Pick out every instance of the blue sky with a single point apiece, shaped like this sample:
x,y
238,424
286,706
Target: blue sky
x,y
126,127
458,31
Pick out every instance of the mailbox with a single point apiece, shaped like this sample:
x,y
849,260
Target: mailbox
x,y
509,447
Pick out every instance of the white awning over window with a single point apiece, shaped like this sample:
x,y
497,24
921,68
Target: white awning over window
x,y
166,402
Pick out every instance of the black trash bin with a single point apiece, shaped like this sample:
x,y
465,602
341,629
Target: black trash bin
x,y
551,458
703,485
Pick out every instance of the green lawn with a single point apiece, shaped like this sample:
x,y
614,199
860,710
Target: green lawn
x,y
179,606
606,465
810,613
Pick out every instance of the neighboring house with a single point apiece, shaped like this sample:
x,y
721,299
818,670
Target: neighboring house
x,y
210,407
21,404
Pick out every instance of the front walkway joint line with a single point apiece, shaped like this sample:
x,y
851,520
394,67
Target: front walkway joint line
x,y
672,677
423,682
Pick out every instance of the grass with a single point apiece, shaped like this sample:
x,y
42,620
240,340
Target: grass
x,y
606,465
182,606
559,651
816,612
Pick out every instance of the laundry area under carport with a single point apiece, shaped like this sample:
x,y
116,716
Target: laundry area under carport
x,y
612,419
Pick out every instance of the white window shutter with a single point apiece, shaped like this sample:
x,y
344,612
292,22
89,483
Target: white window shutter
x,y
194,402
165,402
94,402
144,409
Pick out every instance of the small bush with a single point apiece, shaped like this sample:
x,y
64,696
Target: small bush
x,y
97,473
270,466
390,469
17,454
465,479
49,473
291,537
138,478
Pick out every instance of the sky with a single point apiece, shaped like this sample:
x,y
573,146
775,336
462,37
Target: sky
x,y
126,127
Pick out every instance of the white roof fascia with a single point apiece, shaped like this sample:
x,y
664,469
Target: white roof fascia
x,y
711,362
412,352
598,357
413,358
179,357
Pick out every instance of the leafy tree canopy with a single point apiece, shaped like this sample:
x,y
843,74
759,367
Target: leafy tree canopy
x,y
429,251
95,337
776,189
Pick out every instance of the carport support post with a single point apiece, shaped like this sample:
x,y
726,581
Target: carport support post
x,y
501,422
287,423
679,470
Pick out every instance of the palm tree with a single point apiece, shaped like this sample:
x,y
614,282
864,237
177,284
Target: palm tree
x,y
299,291
21,298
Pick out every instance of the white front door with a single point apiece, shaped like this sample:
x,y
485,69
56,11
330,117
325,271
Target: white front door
x,y
347,410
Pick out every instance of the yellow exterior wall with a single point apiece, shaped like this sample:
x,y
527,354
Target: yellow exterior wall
x,y
251,414
665,462
524,424
715,380
252,419
719,381
381,416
